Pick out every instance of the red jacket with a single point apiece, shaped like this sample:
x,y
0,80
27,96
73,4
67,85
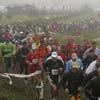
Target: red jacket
x,y
34,59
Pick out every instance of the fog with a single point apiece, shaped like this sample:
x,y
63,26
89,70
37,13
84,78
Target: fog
x,y
54,3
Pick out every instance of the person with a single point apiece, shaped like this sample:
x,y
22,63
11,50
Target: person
x,y
54,69
71,48
74,59
89,59
34,64
92,74
91,67
22,53
7,50
60,53
72,82
16,58
86,44
96,50
92,89
43,50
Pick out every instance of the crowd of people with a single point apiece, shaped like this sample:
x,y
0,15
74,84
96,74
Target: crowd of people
x,y
71,66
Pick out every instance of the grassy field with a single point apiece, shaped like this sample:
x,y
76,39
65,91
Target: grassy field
x,y
19,90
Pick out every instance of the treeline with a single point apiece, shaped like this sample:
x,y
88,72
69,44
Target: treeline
x,y
32,10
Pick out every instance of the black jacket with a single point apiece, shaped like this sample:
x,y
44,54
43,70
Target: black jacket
x,y
93,85
72,81
22,54
53,68
89,77
88,60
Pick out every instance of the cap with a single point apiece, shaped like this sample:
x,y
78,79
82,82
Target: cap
x,y
54,54
16,41
33,47
74,56
21,32
50,38
75,65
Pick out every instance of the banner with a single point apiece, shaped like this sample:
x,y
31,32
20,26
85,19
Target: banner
x,y
9,75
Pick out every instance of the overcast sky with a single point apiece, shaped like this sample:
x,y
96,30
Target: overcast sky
x,y
59,3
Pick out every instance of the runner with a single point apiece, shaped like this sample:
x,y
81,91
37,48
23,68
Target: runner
x,y
92,89
91,67
94,47
54,69
34,62
72,82
74,59
89,59
22,53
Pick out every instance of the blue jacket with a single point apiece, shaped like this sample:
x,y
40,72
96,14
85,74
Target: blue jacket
x,y
69,64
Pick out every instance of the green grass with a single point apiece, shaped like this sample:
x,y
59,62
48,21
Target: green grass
x,y
17,19
83,17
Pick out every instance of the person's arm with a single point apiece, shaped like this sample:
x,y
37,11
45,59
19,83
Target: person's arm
x,y
14,49
81,65
64,81
68,64
88,89
90,68
87,79
28,59
46,66
85,62
86,54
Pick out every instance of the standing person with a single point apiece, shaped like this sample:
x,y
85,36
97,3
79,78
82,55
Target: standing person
x,y
60,53
92,89
96,50
22,53
71,48
72,82
16,57
74,59
34,64
92,74
89,59
7,50
91,67
54,68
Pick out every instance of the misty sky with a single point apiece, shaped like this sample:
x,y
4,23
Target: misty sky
x,y
58,3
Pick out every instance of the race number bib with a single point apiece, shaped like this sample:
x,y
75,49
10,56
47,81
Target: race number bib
x,y
54,71
35,61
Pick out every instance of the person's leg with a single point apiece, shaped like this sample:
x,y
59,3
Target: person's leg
x,y
21,67
53,93
7,62
26,70
39,87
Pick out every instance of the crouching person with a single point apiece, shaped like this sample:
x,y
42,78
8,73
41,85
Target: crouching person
x,y
72,82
